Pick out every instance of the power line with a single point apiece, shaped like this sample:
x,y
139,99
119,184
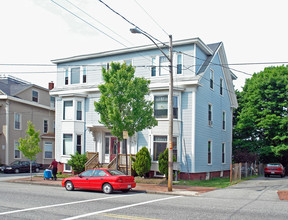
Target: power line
x,y
151,18
91,25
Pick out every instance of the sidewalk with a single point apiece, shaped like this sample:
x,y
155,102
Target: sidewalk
x,y
148,188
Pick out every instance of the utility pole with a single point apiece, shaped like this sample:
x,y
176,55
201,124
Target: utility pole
x,y
170,103
170,133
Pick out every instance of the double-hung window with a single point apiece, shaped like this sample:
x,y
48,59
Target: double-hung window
x,y
66,76
223,152
84,76
179,64
160,144
78,147
161,106
224,120
34,96
17,121
210,115
68,110
16,150
67,144
45,126
164,65
211,79
75,75
48,150
153,68
209,152
79,110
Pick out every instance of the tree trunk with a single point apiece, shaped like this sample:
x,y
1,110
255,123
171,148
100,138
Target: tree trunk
x,y
30,170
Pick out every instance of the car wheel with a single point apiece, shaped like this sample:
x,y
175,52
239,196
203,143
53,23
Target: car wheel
x,y
107,188
125,190
69,186
265,175
37,170
16,170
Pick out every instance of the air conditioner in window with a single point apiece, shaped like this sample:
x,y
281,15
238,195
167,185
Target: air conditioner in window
x,y
210,123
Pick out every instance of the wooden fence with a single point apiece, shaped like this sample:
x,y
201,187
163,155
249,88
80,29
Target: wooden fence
x,y
242,170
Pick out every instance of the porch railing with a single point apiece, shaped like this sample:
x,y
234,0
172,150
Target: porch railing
x,y
92,160
122,163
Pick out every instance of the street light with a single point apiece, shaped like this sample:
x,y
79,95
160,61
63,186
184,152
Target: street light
x,y
170,115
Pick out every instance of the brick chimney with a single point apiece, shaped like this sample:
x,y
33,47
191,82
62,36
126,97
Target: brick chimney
x,y
51,85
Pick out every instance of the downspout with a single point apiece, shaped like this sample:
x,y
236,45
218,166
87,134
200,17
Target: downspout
x,y
85,129
193,128
7,132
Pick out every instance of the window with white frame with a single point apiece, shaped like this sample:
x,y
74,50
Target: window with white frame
x,y
75,75
34,96
68,110
67,144
160,144
84,75
224,120
16,151
209,152
66,79
210,116
67,168
48,150
153,67
211,79
78,144
179,64
164,65
221,86
45,126
17,121
223,152
52,101
79,110
161,106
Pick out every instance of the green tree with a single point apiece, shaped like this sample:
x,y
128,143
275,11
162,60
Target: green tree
x,y
77,162
142,163
262,122
163,162
123,105
29,146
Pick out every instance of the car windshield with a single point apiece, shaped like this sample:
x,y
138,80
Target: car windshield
x,y
15,163
115,173
273,165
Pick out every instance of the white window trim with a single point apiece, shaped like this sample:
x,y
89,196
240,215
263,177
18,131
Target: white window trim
x,y
210,122
82,74
222,86
20,121
62,145
179,105
44,150
152,148
73,107
68,69
224,152
65,170
211,71
175,60
225,119
20,154
211,147
38,95
82,109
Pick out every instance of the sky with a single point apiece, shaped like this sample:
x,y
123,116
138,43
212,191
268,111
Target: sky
x,y
34,32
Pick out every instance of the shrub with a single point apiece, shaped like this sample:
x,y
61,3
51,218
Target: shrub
x,y
77,162
142,163
163,162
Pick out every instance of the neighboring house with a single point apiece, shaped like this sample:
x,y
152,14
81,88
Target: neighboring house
x,y
203,104
21,102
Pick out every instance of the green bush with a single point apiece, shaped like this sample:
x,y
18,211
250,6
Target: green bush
x,y
142,163
77,162
163,162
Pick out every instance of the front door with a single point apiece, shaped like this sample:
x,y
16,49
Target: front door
x,y
114,148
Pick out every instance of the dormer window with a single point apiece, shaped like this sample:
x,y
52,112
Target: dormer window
x,y
34,96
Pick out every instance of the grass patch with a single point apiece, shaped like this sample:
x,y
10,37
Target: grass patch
x,y
215,182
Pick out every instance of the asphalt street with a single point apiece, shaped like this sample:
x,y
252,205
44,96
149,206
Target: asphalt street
x,y
254,199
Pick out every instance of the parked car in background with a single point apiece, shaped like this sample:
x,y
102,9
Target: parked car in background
x,y
105,180
21,167
274,169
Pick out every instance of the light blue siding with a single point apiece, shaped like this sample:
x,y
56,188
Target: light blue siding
x,y
201,57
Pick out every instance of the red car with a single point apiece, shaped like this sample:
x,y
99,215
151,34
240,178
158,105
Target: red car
x,y
105,180
274,169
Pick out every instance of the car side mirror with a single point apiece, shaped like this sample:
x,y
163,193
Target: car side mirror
x,y
80,175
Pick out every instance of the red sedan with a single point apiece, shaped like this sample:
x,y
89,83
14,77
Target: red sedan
x,y
274,169
105,180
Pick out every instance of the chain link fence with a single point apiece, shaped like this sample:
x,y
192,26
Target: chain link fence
x,y
243,170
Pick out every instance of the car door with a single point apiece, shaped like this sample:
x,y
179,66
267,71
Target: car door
x,y
97,180
82,181
25,166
